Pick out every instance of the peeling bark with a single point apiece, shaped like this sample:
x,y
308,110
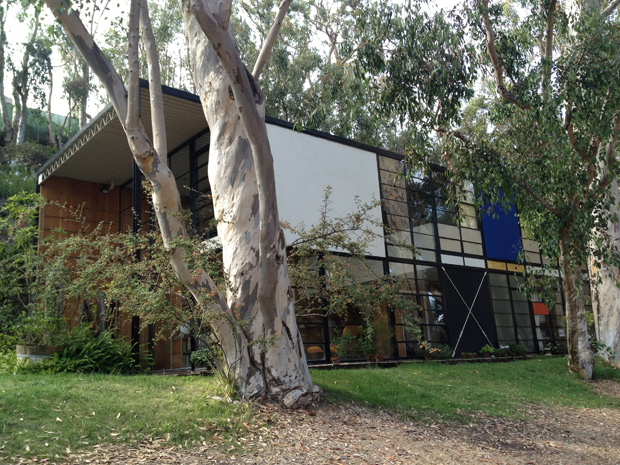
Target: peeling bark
x,y
580,359
232,173
606,292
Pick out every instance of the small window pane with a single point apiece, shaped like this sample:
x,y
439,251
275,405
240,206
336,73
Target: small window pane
x,y
450,246
500,293
390,164
503,319
532,258
398,222
396,208
469,222
429,287
522,307
502,306
399,252
419,182
401,269
506,333
426,255
428,272
471,235
436,333
426,228
468,210
390,179
498,280
431,303
424,240
473,249
421,216
393,193
523,319
530,245
400,237
450,232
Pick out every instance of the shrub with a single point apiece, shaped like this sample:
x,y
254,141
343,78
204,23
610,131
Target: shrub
x,y
205,357
87,352
487,349
516,349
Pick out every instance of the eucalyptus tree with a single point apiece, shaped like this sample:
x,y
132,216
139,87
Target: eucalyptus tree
x,y
22,77
547,135
6,119
254,320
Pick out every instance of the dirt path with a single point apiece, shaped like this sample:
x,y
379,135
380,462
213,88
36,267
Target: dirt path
x,y
333,434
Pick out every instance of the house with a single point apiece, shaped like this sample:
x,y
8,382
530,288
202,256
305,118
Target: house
x,y
465,276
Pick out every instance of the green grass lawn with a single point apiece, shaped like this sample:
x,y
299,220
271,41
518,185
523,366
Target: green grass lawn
x,y
42,415
430,391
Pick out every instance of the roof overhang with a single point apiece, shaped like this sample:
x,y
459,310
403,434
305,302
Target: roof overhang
x,y
100,153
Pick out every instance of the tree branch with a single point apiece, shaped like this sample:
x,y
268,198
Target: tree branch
x,y
133,63
552,209
610,8
499,71
270,40
548,57
610,157
157,101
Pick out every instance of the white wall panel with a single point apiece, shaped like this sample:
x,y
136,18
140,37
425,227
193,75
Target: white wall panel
x,y
306,165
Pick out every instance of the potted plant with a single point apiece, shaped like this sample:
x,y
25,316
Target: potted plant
x,y
501,352
516,350
39,336
429,352
486,351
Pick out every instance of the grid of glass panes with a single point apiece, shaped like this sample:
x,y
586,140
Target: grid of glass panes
x,y
428,294
394,198
549,328
460,238
422,216
511,307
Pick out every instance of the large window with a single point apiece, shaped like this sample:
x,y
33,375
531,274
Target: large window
x,y
513,317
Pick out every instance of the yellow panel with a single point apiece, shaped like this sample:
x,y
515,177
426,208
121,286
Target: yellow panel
x,y
496,265
514,267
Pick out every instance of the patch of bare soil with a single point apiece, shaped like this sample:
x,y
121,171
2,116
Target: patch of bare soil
x,y
334,434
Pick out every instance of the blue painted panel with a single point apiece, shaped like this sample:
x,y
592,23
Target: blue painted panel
x,y
502,236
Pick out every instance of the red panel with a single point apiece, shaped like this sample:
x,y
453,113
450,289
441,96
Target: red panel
x,y
540,308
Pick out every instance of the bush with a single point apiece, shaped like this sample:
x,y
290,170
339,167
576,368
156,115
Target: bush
x,y
205,357
8,362
487,349
87,352
516,349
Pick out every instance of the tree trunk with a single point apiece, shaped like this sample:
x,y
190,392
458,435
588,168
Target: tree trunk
x,y
606,293
50,123
263,349
580,359
22,87
84,99
6,120
280,367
